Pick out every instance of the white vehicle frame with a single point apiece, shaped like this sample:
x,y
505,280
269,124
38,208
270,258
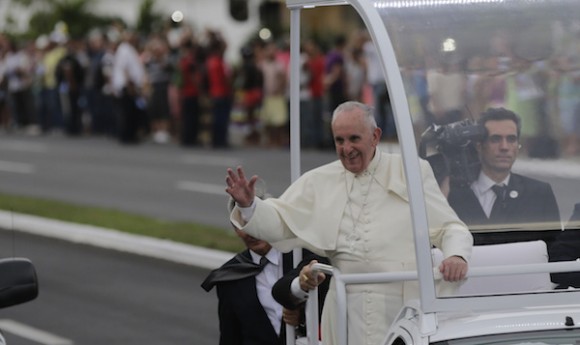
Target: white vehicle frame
x,y
429,302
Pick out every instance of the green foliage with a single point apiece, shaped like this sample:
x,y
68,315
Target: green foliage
x,y
26,3
77,14
40,23
149,21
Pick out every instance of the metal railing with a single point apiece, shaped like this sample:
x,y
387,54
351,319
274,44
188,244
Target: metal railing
x,y
342,280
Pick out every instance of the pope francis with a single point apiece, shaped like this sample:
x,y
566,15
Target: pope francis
x,y
356,212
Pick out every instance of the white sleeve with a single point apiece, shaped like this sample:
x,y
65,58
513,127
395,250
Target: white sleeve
x,y
297,291
247,212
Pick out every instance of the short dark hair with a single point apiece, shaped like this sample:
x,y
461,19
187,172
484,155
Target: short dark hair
x,y
499,114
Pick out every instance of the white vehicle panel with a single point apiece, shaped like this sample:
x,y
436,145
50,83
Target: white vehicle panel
x,y
404,33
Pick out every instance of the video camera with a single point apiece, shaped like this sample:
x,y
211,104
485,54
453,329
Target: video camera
x,y
456,143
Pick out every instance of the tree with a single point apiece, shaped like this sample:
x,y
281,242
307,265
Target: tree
x,y
149,20
76,14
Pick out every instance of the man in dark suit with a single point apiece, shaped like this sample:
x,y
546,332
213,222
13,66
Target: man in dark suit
x,y
566,247
292,290
248,314
501,206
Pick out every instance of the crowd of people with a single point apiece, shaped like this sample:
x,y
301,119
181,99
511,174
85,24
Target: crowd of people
x,y
544,91
172,87
178,87
116,83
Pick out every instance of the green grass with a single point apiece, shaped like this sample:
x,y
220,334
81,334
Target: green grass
x,y
190,233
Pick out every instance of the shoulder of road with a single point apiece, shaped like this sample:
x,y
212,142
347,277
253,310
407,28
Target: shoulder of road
x,y
188,254
115,240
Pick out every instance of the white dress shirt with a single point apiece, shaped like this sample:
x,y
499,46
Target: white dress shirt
x,y
264,282
482,189
127,67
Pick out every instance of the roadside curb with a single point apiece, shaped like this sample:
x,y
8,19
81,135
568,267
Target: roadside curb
x,y
115,240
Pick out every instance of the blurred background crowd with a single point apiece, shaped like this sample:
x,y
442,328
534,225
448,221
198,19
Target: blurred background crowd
x,y
116,83
176,86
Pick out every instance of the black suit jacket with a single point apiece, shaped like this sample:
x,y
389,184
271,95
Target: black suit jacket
x,y
282,289
566,247
243,320
528,200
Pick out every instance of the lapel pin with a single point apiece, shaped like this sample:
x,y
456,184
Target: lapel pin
x,y
513,194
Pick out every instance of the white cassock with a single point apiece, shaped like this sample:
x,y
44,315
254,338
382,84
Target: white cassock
x,y
362,223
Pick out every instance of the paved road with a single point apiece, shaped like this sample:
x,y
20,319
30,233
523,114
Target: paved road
x,y
174,183
93,296
168,182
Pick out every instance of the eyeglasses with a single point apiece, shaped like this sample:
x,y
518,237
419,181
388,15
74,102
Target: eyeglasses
x,y
496,139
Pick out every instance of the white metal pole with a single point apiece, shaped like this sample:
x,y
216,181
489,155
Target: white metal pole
x,y
294,124
294,94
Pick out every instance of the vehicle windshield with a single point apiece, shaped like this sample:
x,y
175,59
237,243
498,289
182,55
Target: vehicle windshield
x,y
494,96
554,337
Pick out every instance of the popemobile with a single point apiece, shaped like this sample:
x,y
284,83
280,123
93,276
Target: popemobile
x,y
445,63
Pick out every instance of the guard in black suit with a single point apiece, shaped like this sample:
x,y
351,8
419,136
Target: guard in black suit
x,y
566,247
500,206
248,314
282,290
243,319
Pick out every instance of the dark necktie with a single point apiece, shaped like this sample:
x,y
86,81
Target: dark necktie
x,y
499,204
242,268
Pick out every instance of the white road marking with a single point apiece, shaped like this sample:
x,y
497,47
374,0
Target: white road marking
x,y
198,187
23,146
211,161
15,167
31,333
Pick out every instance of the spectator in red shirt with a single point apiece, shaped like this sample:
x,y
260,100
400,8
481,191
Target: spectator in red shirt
x,y
219,90
190,79
315,64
